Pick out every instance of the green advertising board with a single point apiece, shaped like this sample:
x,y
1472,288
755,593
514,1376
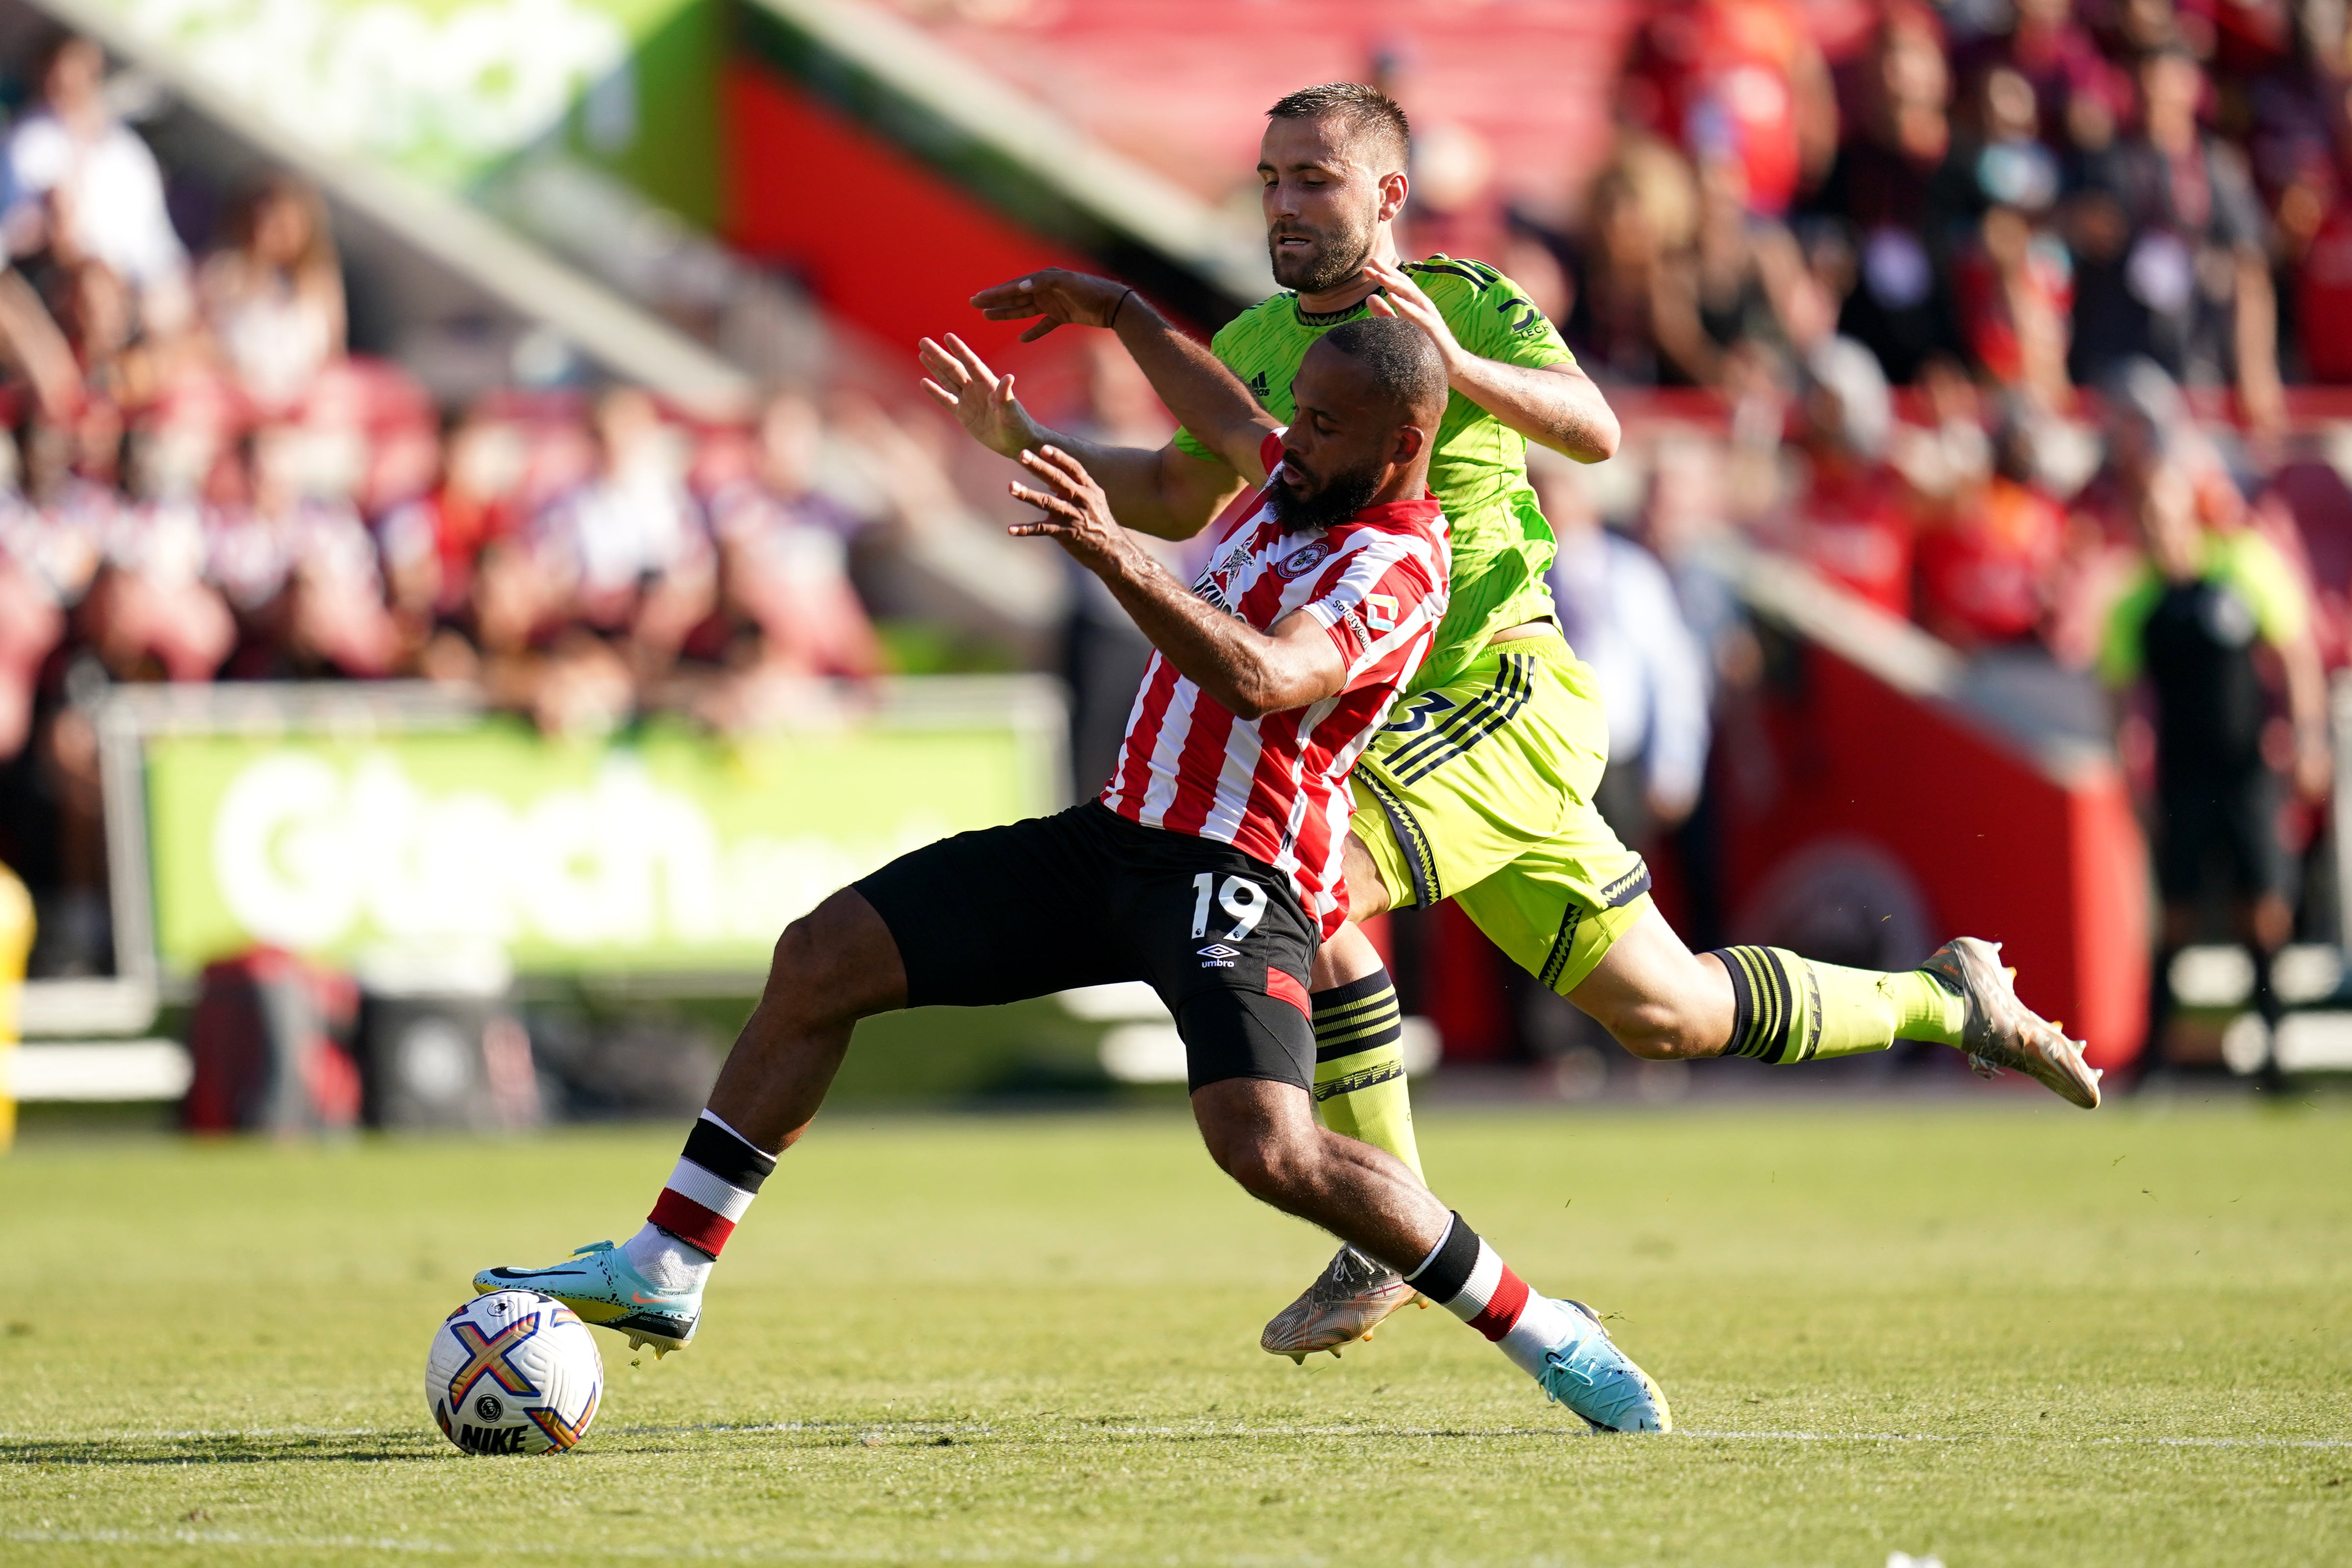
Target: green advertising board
x,y
448,92
672,851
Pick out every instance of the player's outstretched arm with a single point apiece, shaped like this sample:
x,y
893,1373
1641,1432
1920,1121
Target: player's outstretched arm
x,y
1252,672
1206,397
1168,494
1554,405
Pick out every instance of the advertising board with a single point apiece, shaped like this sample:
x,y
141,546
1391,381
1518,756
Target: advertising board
x,y
309,820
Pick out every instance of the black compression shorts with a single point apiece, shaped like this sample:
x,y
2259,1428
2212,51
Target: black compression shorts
x,y
1086,897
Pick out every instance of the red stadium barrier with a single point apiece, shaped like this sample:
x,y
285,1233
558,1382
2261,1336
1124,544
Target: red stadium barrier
x,y
1852,789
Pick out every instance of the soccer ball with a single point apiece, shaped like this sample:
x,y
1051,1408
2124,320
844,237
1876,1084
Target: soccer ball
x,y
513,1371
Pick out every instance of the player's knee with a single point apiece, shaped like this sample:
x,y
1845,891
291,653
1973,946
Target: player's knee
x,y
1655,1030
838,961
1269,1167
1252,1140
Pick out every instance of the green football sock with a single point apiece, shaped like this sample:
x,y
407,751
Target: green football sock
x,y
1787,1009
1360,1066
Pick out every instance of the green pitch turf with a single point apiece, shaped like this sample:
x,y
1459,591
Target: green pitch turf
x,y
2011,1335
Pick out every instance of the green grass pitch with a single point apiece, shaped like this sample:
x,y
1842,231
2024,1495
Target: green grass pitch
x,y
2005,1334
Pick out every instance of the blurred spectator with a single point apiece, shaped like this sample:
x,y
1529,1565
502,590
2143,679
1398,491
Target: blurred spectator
x,y
1891,185
2206,613
81,185
2132,29
2012,280
2079,96
784,555
1851,521
1627,301
1986,569
2294,107
1676,277
134,574
431,544
1946,454
32,601
1736,81
1620,612
298,567
274,296
2169,245
626,552
1684,523
1729,299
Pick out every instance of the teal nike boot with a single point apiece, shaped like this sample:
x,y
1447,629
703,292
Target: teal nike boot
x,y
604,1288
1592,1377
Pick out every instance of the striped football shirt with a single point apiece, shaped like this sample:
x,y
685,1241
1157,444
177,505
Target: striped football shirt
x,y
1275,787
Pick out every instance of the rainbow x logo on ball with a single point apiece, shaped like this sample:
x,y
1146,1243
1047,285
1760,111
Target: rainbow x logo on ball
x,y
491,1353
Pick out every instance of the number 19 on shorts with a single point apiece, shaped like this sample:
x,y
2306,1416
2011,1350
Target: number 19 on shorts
x,y
1243,900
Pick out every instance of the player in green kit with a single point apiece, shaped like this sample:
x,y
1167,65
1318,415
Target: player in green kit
x,y
1480,788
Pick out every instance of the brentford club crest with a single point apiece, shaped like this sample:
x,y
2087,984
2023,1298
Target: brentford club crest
x,y
1300,562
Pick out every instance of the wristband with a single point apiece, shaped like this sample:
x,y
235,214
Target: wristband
x,y
1115,309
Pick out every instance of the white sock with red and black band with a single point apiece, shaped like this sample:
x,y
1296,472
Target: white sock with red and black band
x,y
1469,1278
708,1192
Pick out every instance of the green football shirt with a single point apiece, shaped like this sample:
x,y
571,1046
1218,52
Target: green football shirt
x,y
1502,545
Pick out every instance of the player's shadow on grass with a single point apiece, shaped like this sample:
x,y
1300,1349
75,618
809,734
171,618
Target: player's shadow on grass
x,y
217,1448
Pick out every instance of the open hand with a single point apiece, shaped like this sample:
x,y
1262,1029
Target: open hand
x,y
1077,514
981,401
1402,297
1062,298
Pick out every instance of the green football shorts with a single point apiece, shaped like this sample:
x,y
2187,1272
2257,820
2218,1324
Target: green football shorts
x,y
1481,791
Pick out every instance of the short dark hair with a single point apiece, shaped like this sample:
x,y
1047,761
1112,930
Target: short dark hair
x,y
1363,110
1399,357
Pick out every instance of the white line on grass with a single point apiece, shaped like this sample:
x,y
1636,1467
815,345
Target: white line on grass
x,y
1079,1429
167,1539
1999,1437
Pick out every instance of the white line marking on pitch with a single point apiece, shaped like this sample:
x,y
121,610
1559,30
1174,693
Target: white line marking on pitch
x,y
1190,1429
662,1551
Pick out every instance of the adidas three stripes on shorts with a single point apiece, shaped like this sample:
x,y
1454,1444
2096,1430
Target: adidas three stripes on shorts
x,y
1481,790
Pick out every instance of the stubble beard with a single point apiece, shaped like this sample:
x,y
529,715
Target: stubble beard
x,y
1336,257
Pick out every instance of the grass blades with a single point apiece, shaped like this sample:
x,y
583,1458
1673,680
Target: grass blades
x,y
2010,1336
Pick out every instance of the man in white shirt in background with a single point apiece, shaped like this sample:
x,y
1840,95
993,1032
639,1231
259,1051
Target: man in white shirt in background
x,y
1618,611
78,176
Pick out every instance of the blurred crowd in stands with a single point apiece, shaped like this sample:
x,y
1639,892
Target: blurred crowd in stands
x,y
1992,321
1986,321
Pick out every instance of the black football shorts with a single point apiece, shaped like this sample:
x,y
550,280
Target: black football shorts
x,y
2219,824
1086,897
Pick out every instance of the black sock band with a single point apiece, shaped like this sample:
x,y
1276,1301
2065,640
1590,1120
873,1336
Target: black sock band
x,y
717,1150
1441,1277
1762,1002
1360,1016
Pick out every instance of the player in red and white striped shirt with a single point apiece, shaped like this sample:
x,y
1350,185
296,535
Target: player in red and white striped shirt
x,y
1209,868
1275,787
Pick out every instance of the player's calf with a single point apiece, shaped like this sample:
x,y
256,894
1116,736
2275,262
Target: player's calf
x,y
1264,1136
832,966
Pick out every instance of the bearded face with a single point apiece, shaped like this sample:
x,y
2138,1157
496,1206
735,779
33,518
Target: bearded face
x,y
1304,499
1311,255
1321,193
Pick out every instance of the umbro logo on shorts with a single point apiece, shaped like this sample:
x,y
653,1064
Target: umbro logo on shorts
x,y
1219,956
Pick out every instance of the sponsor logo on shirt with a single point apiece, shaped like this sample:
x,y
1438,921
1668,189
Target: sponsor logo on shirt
x,y
1351,625
1216,584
